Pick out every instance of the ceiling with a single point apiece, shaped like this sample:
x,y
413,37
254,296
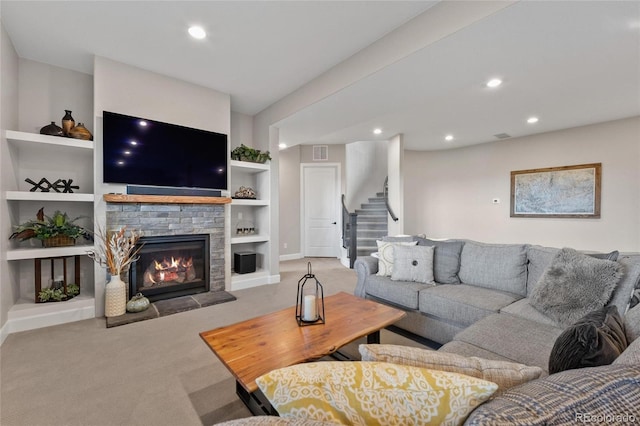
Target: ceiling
x,y
569,63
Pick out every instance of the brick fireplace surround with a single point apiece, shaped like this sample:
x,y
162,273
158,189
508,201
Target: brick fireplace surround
x,y
197,215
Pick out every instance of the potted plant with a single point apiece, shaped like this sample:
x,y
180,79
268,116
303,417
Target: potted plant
x,y
245,153
54,231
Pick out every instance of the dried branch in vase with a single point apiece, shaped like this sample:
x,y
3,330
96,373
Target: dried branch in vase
x,y
116,249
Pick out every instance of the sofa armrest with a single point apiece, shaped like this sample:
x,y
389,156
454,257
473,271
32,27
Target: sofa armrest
x,y
364,266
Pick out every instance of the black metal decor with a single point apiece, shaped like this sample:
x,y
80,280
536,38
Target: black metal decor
x,y
45,186
310,300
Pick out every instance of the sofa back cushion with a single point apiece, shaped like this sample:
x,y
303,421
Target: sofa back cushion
x,y
496,266
446,259
539,258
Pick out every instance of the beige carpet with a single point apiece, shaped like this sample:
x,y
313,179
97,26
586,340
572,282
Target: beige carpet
x,y
155,372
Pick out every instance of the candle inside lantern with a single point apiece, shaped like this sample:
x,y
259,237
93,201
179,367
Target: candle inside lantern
x,y
310,312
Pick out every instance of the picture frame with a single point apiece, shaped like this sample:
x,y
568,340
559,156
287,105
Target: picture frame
x,y
557,192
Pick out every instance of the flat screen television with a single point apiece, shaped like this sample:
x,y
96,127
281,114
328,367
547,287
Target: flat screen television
x,y
139,151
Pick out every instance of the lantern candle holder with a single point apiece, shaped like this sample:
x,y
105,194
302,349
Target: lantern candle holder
x,y
310,300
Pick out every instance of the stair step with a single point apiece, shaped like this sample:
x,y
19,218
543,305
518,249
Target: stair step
x,y
373,206
376,200
372,233
370,212
380,194
370,226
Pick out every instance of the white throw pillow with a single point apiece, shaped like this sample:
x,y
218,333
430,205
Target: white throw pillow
x,y
385,259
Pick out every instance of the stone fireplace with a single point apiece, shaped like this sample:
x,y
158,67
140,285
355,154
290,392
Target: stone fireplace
x,y
194,231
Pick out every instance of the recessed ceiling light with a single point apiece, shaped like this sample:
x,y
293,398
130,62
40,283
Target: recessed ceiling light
x,y
532,120
494,82
282,145
197,32
377,131
448,138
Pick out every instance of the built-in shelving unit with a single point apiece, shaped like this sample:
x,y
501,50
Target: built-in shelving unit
x,y
34,156
251,213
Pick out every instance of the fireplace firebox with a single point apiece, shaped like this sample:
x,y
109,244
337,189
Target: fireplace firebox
x,y
171,266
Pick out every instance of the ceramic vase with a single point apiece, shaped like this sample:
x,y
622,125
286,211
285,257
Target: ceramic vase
x,y
67,122
80,132
115,298
52,130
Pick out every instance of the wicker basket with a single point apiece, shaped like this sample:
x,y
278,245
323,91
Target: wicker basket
x,y
59,241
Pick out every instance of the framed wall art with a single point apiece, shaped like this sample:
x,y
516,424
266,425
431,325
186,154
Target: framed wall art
x,y
559,192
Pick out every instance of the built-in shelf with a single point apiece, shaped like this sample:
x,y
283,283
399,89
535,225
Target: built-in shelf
x,y
164,199
249,202
247,166
42,253
49,196
27,315
249,239
25,139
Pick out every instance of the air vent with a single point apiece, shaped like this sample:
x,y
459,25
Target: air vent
x,y
502,136
320,152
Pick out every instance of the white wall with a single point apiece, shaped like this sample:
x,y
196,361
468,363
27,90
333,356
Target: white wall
x,y
395,166
366,169
9,291
241,130
448,193
133,91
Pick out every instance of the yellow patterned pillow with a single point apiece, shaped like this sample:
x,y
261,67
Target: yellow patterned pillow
x,y
373,393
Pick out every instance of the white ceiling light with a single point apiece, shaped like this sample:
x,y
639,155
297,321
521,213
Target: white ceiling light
x,y
532,120
377,131
197,32
282,145
448,138
494,82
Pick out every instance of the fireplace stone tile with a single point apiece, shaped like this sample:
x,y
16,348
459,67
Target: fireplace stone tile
x,y
175,305
213,297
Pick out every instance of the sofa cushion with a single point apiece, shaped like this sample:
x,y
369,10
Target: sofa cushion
x,y
385,256
623,292
573,285
412,264
538,259
467,349
522,308
401,293
630,356
504,335
446,259
632,323
497,266
504,374
368,393
461,303
570,397
597,339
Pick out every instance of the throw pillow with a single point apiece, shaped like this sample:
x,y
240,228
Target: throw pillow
x,y
573,285
632,324
367,393
398,239
630,356
597,339
504,374
385,256
567,398
607,256
446,259
413,264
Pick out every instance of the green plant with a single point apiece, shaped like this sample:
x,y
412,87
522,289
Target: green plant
x,y
46,227
57,294
245,153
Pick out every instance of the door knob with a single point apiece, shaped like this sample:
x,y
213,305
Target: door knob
x,y
334,223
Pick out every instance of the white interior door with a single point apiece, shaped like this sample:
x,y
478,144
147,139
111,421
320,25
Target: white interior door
x,y
320,210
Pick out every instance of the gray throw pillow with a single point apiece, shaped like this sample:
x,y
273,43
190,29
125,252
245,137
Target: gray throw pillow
x,y
597,339
412,263
573,285
446,259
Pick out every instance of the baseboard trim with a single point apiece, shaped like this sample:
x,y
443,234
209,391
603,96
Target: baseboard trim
x,y
293,256
4,332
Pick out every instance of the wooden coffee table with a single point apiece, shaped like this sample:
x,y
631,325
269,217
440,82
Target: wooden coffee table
x,y
257,346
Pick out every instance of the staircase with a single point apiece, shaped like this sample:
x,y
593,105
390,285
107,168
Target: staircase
x,y
372,224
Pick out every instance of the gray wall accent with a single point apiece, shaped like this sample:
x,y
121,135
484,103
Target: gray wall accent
x,y
290,201
155,220
366,168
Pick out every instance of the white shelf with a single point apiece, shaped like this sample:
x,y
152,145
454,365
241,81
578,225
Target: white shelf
x,y
41,253
49,196
33,139
248,202
28,315
248,166
249,239
253,279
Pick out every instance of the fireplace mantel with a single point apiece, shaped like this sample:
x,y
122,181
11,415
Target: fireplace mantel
x,y
164,199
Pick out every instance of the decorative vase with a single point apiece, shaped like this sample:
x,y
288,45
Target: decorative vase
x,y
81,132
115,298
67,122
138,303
52,130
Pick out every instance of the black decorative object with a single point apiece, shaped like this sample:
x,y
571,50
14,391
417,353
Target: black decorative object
x,y
45,186
310,300
51,130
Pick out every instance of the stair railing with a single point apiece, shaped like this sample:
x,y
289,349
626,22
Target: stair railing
x,y
349,233
385,191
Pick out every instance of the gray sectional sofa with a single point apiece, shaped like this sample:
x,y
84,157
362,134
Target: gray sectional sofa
x,y
480,302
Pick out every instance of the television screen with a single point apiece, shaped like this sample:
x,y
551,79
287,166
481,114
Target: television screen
x,y
138,151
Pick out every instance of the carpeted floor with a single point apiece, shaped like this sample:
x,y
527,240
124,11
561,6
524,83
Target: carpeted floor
x,y
155,372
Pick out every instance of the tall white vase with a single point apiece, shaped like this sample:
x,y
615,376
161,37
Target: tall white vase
x,y
115,298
